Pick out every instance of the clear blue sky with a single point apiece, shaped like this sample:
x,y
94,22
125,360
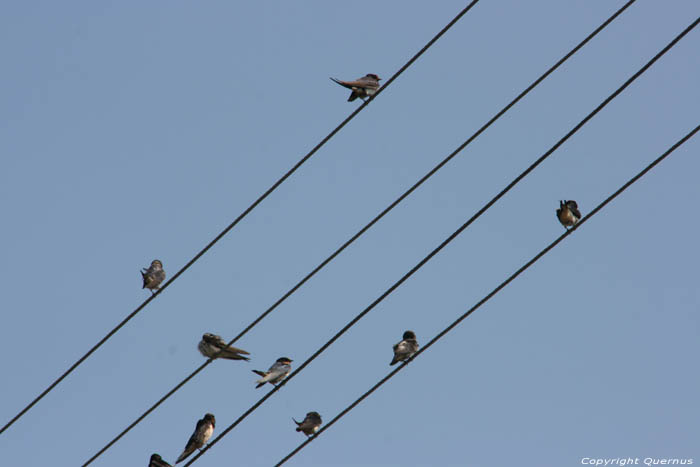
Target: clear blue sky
x,y
137,130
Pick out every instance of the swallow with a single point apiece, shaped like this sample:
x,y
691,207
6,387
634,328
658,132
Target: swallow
x,y
277,372
153,276
202,433
157,461
310,425
405,349
213,346
568,213
362,87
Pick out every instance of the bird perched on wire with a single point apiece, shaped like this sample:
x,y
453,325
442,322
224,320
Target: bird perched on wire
x,y
405,349
310,425
202,433
568,213
157,461
362,87
213,346
153,276
277,372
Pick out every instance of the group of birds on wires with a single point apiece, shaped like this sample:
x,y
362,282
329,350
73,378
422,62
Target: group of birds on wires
x,y
213,346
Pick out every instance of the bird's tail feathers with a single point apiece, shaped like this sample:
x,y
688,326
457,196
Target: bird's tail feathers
x,y
235,357
343,84
232,355
184,455
298,423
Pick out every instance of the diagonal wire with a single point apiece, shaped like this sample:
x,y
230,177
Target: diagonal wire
x,y
490,295
449,239
242,215
371,223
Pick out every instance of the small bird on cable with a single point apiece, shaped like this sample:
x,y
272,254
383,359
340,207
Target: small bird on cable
x,y
363,88
568,213
406,348
153,276
202,433
310,425
277,372
213,346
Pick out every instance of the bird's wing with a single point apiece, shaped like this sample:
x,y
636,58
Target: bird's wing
x,y
351,84
402,348
190,446
278,373
397,354
237,350
217,340
305,425
232,353
221,344
366,82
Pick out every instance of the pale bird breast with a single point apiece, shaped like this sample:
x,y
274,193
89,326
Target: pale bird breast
x,y
208,432
567,217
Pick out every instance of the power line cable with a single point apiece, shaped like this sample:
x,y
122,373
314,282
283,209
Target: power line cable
x,y
369,225
447,240
490,295
242,215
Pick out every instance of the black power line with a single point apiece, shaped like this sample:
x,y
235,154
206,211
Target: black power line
x,y
489,296
242,215
448,239
370,224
